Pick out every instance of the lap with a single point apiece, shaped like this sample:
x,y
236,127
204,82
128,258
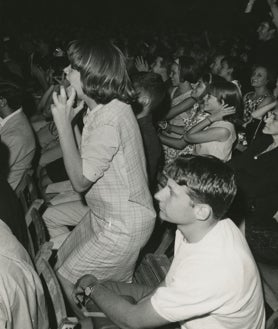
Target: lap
x,y
68,212
92,248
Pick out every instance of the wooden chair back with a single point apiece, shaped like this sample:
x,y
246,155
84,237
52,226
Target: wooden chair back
x,y
54,298
36,229
27,190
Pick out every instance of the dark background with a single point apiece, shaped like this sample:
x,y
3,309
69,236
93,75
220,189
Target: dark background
x,y
189,14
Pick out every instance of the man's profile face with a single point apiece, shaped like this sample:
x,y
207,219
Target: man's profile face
x,y
175,204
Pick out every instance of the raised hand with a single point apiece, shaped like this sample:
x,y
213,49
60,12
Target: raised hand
x,y
62,109
141,65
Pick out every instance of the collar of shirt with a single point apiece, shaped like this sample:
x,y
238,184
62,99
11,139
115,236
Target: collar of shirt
x,y
6,119
91,112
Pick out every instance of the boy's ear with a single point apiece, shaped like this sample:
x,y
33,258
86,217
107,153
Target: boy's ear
x,y
202,211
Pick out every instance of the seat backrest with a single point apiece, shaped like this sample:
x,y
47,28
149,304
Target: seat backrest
x,y
35,227
27,190
53,294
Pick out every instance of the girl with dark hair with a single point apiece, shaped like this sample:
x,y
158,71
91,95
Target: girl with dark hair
x,y
108,167
213,135
184,75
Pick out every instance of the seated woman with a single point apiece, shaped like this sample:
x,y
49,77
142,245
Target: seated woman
x,y
214,135
257,179
263,81
184,73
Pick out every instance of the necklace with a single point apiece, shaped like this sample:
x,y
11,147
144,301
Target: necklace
x,y
270,148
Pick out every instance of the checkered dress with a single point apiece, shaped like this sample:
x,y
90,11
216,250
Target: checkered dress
x,y
107,241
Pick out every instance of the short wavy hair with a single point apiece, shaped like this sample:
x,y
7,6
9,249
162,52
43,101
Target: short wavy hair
x,y
208,179
229,93
102,70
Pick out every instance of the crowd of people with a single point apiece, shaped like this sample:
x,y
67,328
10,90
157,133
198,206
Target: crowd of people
x,y
131,132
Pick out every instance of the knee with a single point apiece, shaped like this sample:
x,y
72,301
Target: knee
x,y
48,216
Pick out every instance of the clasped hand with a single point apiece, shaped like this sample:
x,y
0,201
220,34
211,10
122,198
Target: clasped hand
x,y
62,109
80,286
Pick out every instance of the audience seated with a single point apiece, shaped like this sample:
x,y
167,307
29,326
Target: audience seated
x,y
101,225
16,132
184,73
262,80
213,280
265,50
213,135
230,70
11,212
256,176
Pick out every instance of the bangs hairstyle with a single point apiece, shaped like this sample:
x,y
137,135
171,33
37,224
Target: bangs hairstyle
x,y
188,69
229,93
208,179
102,71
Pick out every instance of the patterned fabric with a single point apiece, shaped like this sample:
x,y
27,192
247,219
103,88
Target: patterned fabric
x,y
107,241
250,105
185,119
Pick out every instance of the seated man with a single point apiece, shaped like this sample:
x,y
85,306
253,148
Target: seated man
x,y
16,132
22,303
213,281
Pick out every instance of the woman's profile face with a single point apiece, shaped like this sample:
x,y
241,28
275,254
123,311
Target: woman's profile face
x,y
73,77
259,77
271,123
174,75
211,103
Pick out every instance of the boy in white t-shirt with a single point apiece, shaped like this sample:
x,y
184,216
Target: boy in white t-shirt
x,y
213,281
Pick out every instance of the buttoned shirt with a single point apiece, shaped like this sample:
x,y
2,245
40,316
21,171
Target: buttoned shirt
x,y
122,216
16,133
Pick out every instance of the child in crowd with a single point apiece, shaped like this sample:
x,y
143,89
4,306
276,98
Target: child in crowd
x,y
213,135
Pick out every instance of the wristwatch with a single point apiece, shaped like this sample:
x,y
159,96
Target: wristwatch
x,y
89,289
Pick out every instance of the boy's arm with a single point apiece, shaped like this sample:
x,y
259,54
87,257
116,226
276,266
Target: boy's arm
x,y
125,314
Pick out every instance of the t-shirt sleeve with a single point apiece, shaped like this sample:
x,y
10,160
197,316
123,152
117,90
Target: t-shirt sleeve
x,y
97,151
191,293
